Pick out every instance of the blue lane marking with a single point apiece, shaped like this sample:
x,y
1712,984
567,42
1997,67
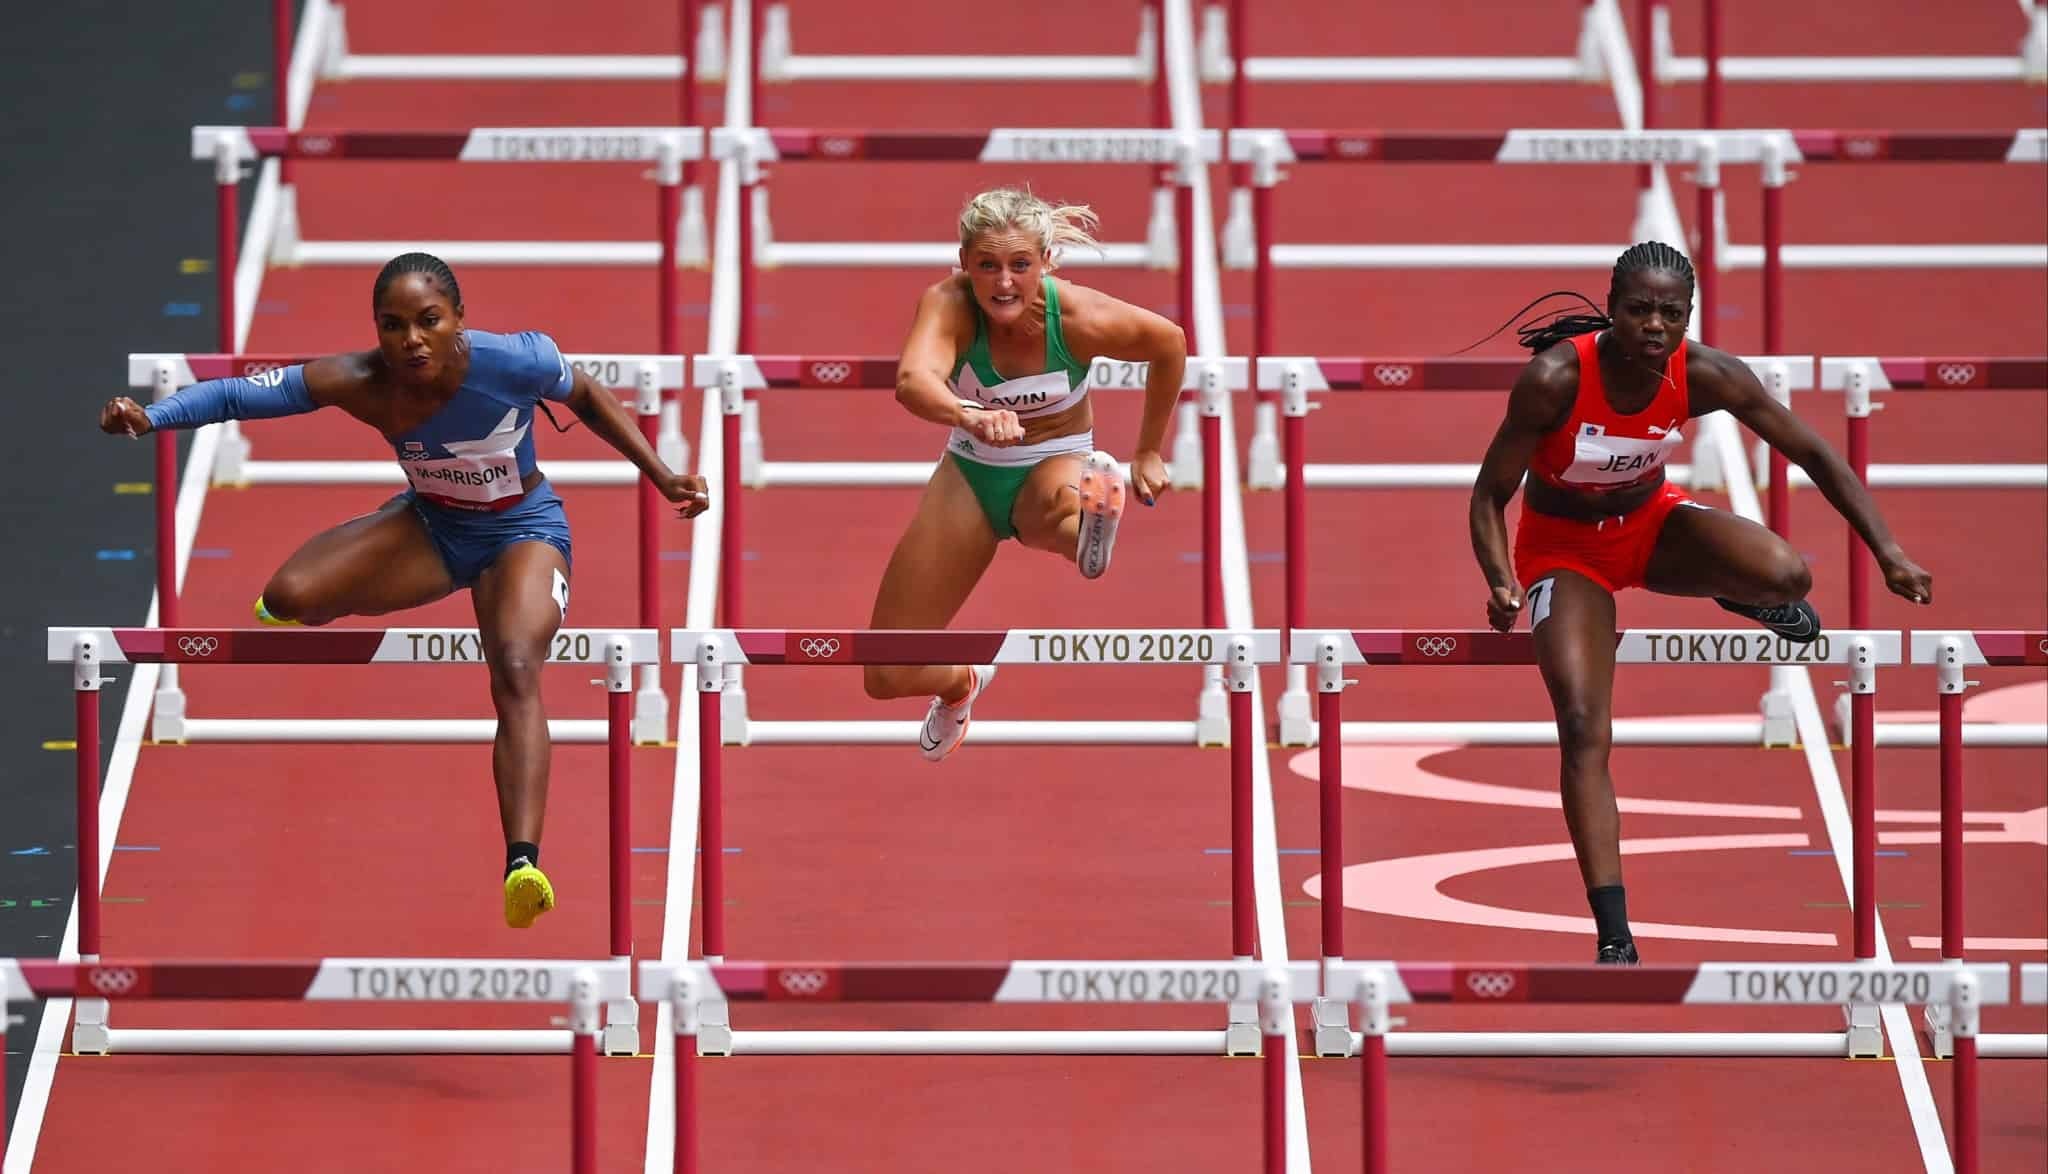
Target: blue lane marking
x,y
115,556
38,850
137,848
181,309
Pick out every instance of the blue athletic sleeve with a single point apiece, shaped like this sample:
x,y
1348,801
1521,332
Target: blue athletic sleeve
x,y
281,392
552,376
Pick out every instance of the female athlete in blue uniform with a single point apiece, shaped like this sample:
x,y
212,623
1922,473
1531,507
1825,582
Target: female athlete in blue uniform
x,y
457,407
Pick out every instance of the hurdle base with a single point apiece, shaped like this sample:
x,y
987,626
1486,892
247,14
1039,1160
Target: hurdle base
x,y
714,1028
1941,1038
1296,711
1780,728
1242,1037
1612,1043
978,1043
167,714
90,1039
1212,710
621,1028
650,709
138,1041
1332,1028
1865,1032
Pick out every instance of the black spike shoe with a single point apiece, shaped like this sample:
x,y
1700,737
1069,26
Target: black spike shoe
x,y
1797,621
1622,953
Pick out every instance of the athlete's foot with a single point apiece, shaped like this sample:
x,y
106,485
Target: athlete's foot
x,y
945,726
1621,953
1796,621
527,894
1102,507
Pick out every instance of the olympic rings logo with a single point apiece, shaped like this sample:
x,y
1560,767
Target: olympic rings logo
x,y
112,980
1956,374
1860,148
1392,374
1490,984
315,144
198,645
818,647
831,372
803,984
2044,644
838,146
1436,645
1351,147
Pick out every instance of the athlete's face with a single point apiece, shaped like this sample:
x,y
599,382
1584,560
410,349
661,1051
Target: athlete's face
x,y
1005,265
418,331
1650,311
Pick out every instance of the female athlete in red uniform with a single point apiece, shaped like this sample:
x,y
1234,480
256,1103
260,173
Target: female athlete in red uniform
x,y
1591,421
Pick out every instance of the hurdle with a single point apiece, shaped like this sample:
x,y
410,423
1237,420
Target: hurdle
x,y
1862,377
1238,654
1195,447
1224,52
1167,237
1953,653
581,985
86,649
1860,652
1373,987
2028,64
699,57
648,375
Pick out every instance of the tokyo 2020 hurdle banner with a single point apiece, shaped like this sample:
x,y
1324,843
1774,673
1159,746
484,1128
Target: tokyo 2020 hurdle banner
x,y
652,378
1330,653
1374,988
1197,446
1236,653
581,985
86,649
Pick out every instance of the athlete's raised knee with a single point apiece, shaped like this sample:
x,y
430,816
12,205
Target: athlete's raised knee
x,y
1786,578
293,597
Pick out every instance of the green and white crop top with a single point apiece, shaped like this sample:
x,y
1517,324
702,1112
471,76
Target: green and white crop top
x,y
1063,384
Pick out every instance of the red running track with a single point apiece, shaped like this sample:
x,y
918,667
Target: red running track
x,y
873,854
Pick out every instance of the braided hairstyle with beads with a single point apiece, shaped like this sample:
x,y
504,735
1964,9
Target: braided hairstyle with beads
x,y
1644,257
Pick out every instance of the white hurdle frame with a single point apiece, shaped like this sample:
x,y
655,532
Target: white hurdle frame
x,y
650,377
1196,447
1332,652
1953,653
581,985
86,649
715,652
2026,63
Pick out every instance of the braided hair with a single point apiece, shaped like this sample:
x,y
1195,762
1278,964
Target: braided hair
x,y
425,264
1557,326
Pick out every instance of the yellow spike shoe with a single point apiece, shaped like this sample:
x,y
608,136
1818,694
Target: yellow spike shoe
x,y
527,895
263,616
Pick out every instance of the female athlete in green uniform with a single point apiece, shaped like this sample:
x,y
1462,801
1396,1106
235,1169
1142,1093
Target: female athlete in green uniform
x,y
999,353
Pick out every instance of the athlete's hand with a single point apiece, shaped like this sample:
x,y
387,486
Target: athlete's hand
x,y
1503,607
1907,580
124,415
689,492
1148,476
998,426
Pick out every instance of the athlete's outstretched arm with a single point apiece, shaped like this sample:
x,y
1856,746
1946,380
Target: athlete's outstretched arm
x,y
1119,330
1731,386
283,391
1540,397
599,408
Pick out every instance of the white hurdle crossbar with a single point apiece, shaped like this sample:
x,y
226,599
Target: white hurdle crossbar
x,y
1237,654
2028,62
86,649
780,62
